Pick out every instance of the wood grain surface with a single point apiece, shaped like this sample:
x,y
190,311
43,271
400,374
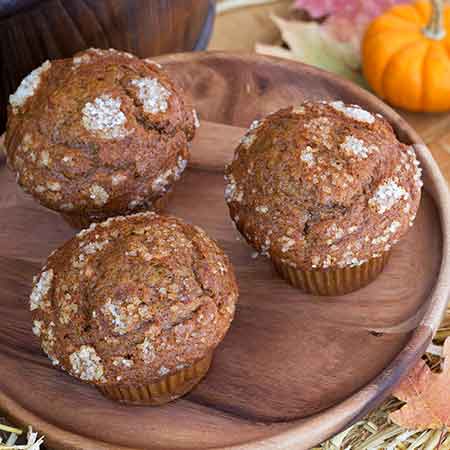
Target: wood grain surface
x,y
32,31
294,368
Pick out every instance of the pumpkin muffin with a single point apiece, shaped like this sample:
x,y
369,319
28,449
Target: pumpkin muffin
x,y
324,190
136,306
101,134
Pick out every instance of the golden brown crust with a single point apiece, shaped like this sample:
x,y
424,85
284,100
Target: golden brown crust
x,y
325,185
133,299
99,134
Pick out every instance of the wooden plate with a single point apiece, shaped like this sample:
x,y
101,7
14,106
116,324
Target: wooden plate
x,y
293,369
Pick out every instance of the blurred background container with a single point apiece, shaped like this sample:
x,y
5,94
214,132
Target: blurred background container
x,y
32,31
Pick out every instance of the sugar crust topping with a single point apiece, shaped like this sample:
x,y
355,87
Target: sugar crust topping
x,y
41,289
251,134
353,146
104,117
98,194
387,195
153,95
354,112
28,86
86,364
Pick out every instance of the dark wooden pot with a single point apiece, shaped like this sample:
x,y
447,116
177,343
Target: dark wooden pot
x,y
32,31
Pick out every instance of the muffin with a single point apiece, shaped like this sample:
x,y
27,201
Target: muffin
x,y
101,134
323,190
136,306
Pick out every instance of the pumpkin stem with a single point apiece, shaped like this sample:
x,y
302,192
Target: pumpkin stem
x,y
435,28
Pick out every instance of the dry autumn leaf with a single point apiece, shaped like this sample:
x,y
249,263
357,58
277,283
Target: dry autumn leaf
x,y
332,44
427,396
311,43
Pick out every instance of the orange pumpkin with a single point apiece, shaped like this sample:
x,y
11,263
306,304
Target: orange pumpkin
x,y
406,56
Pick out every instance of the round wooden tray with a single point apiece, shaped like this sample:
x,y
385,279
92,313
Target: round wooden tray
x,y
293,369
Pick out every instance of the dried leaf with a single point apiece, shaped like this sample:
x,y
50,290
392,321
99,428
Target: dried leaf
x,y
427,395
311,43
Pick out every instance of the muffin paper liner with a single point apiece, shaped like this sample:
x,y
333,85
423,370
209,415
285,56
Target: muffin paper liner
x,y
335,281
167,389
79,221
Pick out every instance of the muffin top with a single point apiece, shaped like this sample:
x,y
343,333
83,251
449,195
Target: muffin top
x,y
99,133
325,185
132,299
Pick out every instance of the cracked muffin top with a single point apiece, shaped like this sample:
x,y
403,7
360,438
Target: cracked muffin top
x,y
133,299
325,185
98,134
